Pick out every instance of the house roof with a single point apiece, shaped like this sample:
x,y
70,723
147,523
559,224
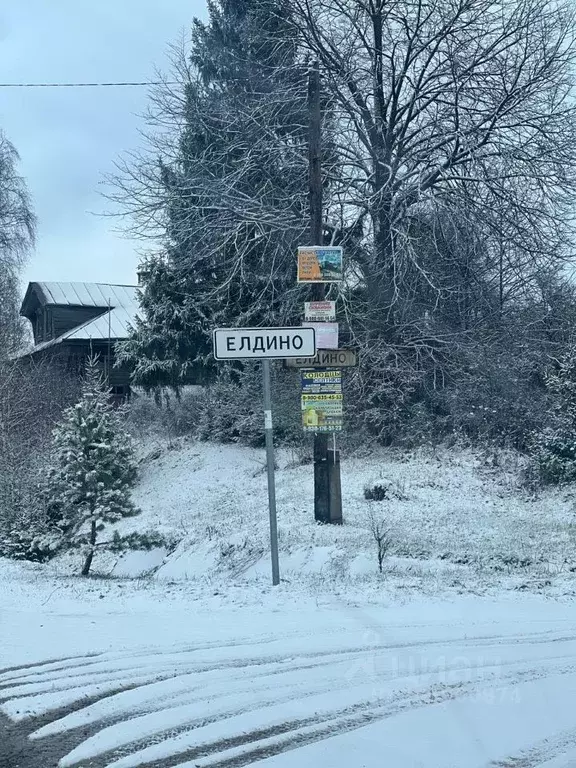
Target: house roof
x,y
113,323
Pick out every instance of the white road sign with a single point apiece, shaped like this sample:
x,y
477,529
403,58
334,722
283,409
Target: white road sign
x,y
255,343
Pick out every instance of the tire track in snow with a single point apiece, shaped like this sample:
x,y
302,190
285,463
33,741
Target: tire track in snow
x,y
235,668
179,686
294,732
8,672
59,669
252,751
234,698
552,751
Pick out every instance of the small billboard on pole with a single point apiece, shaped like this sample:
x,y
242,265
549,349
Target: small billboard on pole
x,y
326,334
320,311
322,405
320,264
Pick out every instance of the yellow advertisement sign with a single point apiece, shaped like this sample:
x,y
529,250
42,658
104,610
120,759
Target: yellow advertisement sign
x,y
321,401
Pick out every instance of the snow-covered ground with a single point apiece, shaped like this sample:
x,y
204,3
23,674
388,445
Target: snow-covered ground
x,y
120,674
461,654
456,521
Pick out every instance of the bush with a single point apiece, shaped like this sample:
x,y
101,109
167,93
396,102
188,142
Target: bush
x,y
230,410
32,397
34,545
556,456
382,538
377,492
554,446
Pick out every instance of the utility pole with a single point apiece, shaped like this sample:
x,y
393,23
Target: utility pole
x,y
327,494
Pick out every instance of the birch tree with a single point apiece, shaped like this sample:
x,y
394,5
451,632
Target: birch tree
x,y
17,225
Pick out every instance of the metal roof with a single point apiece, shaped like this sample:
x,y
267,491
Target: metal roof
x,y
114,323
88,294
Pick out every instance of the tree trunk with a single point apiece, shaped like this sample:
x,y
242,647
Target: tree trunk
x,y
380,276
90,555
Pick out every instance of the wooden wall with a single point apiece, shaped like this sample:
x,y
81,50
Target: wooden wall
x,y
52,321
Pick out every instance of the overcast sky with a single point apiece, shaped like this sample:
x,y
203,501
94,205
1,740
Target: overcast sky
x,y
68,137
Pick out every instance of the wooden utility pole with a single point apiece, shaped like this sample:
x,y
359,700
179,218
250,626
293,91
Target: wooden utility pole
x,y
327,495
315,165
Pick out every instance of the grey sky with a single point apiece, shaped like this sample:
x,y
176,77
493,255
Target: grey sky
x,y
68,137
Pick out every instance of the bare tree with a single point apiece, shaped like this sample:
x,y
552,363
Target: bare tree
x,y
17,225
32,397
451,105
17,221
381,535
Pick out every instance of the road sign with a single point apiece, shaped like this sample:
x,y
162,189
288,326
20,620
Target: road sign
x,y
320,264
320,311
256,343
266,343
333,358
326,334
322,406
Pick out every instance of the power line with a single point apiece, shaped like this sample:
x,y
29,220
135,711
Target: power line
x,y
84,85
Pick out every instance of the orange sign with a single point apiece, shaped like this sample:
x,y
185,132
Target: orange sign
x,y
319,264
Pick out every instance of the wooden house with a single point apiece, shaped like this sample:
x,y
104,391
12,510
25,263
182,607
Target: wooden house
x,y
71,321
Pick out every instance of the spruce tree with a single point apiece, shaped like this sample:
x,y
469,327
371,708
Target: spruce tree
x,y
93,471
555,445
233,193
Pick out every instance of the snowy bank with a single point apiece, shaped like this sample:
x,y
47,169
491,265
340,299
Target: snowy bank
x,y
458,520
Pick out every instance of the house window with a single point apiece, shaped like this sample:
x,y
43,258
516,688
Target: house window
x,y
120,393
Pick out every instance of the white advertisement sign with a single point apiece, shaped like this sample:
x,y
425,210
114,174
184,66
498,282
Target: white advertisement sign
x,y
326,335
320,311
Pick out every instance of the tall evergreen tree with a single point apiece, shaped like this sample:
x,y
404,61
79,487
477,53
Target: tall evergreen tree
x,y
234,196
94,469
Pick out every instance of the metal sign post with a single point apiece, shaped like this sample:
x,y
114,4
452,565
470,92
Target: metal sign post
x,y
265,344
270,468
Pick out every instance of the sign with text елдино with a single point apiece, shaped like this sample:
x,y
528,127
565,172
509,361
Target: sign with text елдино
x,y
332,358
258,343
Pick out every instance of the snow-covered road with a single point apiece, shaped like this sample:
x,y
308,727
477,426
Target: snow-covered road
x,y
312,700
104,676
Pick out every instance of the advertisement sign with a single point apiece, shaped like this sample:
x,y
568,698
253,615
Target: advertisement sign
x,y
326,334
320,264
322,406
320,311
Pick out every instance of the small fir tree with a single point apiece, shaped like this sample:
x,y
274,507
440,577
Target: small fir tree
x,y
94,468
556,444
